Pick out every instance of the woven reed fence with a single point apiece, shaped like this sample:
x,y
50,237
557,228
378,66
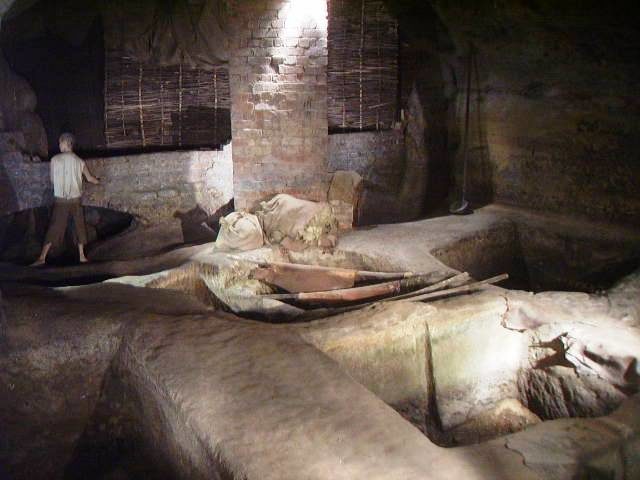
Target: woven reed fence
x,y
152,106
363,65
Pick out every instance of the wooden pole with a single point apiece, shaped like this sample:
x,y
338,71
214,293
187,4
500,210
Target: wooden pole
x,y
361,60
355,294
359,275
161,106
326,311
455,280
456,290
180,105
140,108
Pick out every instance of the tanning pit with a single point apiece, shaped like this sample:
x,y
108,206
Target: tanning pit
x,y
144,385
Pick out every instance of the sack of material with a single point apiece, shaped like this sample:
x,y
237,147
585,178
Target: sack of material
x,y
285,217
239,231
344,196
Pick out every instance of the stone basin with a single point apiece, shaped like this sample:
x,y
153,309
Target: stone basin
x,y
121,379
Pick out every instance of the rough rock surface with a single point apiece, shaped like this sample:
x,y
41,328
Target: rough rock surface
x,y
212,394
508,416
17,106
553,120
216,393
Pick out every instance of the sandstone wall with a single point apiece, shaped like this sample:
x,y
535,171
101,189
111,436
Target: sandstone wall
x,y
279,97
554,122
18,119
150,186
554,107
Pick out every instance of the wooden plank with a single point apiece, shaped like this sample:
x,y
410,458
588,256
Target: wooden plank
x,y
456,290
357,294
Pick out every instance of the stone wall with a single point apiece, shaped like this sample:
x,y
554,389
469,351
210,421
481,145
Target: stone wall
x,y
374,155
557,121
23,184
17,114
393,181
555,118
279,97
150,186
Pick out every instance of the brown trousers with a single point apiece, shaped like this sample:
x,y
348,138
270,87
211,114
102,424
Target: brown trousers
x,y
62,208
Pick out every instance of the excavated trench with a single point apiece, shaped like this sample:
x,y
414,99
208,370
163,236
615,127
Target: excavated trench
x,y
543,257
222,287
113,447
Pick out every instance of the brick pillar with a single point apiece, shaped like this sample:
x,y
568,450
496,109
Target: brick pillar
x,y
279,100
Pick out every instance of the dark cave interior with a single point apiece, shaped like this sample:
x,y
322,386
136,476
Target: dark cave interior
x,y
328,239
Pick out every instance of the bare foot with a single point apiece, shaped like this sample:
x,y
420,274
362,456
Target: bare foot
x,y
84,260
39,262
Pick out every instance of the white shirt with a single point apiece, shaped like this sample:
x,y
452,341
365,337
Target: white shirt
x,y
66,175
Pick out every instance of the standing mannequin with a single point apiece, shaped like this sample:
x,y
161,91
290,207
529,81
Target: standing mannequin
x,y
67,170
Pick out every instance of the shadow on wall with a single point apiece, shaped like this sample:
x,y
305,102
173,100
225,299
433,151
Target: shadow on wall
x,y
8,201
481,171
433,88
22,233
64,68
200,227
429,86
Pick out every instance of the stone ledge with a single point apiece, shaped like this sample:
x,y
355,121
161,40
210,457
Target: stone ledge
x,y
150,186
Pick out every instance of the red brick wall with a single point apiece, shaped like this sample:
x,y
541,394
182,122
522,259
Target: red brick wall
x,y
279,100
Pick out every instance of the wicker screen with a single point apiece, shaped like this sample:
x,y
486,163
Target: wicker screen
x,y
363,65
149,106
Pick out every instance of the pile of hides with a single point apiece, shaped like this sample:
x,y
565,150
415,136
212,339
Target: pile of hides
x,y
284,220
235,290
240,231
280,292
320,291
286,217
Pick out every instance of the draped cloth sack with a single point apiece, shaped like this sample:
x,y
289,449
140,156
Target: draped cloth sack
x,y
285,217
239,231
169,33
